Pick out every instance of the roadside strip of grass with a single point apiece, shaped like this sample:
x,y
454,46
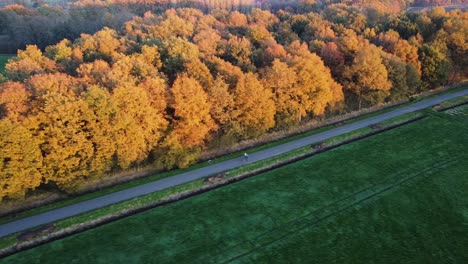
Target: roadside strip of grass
x,y
12,244
452,103
333,122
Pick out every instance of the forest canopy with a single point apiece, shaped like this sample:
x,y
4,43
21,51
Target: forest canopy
x,y
170,84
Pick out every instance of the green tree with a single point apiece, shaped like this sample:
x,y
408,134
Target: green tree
x,y
397,76
435,65
367,77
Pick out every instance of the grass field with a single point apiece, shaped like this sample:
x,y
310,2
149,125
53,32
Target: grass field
x,y
3,60
396,197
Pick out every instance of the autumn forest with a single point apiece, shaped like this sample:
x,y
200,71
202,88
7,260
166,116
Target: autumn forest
x,y
160,88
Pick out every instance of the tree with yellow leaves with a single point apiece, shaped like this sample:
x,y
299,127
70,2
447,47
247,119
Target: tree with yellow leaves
x,y
254,110
14,98
138,126
192,120
29,62
102,129
281,80
63,127
20,160
222,105
317,88
101,45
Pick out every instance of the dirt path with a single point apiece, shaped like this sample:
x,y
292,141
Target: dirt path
x,y
85,206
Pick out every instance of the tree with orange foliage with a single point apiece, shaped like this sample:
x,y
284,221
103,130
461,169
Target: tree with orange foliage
x,y
267,52
101,45
317,89
332,57
14,98
408,53
174,26
230,73
239,52
254,107
192,120
207,41
199,71
190,126
222,105
28,62
95,72
281,80
102,129
237,20
177,52
138,126
20,160
63,127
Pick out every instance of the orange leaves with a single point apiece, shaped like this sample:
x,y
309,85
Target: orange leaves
x,y
174,26
317,89
222,102
14,97
207,41
67,147
192,120
54,83
94,72
254,107
138,126
102,45
29,62
60,52
20,160
281,80
237,19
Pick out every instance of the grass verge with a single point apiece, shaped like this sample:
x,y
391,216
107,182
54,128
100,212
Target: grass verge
x,y
452,103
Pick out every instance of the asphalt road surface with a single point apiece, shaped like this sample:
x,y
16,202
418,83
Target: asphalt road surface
x,y
85,206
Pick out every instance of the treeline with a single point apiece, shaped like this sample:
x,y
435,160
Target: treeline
x,y
166,87
43,22
438,2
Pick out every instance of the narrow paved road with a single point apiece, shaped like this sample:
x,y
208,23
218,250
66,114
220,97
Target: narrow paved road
x,y
85,206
